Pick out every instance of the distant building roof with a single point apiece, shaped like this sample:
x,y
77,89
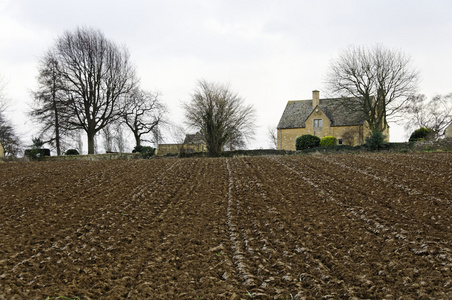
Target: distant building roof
x,y
340,114
196,138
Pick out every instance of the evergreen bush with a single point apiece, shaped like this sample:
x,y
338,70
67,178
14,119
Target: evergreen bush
x,y
376,141
421,134
71,152
307,141
145,151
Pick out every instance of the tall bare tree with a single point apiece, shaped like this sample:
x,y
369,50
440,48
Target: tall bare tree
x,y
382,79
435,114
96,74
113,137
108,138
119,138
220,115
79,140
143,114
50,107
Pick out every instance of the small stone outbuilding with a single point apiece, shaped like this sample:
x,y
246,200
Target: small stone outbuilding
x,y
192,143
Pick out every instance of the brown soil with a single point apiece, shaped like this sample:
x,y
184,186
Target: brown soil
x,y
295,227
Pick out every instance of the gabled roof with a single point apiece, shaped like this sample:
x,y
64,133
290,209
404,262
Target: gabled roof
x,y
196,138
298,111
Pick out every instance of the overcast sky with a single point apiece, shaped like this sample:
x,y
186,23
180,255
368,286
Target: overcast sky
x,y
269,52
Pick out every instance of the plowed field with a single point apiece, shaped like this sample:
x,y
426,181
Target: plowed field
x,y
365,226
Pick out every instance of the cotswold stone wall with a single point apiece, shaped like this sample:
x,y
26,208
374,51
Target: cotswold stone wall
x,y
443,144
165,149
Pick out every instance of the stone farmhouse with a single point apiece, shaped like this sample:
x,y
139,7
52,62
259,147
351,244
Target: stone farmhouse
x,y
192,143
323,117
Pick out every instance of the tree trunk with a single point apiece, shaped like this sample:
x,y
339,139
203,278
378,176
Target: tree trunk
x,y
214,147
57,121
137,138
90,142
57,139
57,129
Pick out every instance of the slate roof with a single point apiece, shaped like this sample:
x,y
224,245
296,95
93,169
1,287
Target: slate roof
x,y
196,138
298,111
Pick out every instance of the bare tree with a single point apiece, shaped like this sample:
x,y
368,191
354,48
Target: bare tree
x,y
235,142
220,115
8,136
113,137
51,103
273,136
143,114
108,138
119,139
79,140
96,74
157,134
382,80
177,134
435,114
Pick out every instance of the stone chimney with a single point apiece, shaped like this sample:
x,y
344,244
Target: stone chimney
x,y
315,98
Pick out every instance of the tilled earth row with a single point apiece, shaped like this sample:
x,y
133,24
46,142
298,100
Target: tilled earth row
x,y
295,227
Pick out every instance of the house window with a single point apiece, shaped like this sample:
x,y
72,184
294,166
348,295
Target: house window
x,y
317,123
339,141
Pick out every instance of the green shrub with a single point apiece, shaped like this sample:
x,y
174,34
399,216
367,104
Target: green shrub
x,y
307,141
146,151
421,134
71,152
328,141
376,141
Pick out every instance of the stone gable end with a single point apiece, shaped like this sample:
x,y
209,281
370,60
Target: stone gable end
x,y
2,150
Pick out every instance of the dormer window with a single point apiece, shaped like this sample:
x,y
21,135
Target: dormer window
x,y
317,123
